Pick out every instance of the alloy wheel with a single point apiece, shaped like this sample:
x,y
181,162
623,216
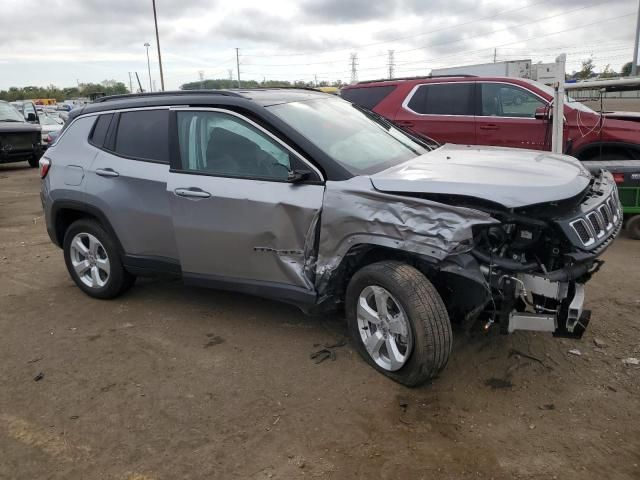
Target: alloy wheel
x,y
384,328
90,260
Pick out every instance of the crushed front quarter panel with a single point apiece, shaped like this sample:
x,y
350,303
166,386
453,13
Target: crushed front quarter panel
x,y
355,213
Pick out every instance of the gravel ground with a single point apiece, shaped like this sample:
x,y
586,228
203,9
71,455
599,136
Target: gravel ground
x,y
170,382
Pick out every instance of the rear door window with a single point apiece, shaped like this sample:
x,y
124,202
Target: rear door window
x,y
367,97
144,135
443,99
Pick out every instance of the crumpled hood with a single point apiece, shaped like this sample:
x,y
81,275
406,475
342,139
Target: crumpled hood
x,y
509,176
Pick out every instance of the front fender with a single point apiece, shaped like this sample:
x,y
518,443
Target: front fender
x,y
356,213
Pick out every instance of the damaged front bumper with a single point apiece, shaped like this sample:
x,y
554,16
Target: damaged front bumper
x,y
536,294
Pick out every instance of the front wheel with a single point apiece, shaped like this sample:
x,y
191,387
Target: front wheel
x,y
398,322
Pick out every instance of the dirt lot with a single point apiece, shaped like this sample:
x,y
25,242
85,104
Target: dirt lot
x,y
170,382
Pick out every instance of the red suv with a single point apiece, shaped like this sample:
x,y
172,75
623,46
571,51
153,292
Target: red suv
x,y
502,111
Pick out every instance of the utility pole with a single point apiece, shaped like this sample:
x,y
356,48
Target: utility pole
x,y
201,76
315,76
130,84
238,65
634,63
155,19
230,74
495,54
392,63
354,67
148,65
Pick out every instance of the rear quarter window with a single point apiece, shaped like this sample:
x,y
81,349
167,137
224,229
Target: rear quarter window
x,y
443,99
144,135
100,128
367,97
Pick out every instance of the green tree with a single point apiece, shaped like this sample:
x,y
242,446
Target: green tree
x,y
608,73
587,69
626,69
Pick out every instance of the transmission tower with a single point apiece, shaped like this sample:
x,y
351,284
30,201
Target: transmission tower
x,y
392,63
354,67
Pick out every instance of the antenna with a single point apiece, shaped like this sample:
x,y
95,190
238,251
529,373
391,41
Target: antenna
x,y
392,63
354,67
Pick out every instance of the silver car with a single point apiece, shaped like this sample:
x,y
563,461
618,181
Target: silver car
x,y
303,197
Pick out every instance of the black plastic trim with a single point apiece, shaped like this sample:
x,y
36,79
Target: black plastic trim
x,y
59,205
151,265
272,290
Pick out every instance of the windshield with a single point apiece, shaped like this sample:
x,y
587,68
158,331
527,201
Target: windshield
x,y
568,101
47,120
353,137
8,113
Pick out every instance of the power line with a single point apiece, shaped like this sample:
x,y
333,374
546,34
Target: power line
x,y
391,64
430,32
445,42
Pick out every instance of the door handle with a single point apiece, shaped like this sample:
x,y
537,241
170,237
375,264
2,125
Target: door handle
x,y
491,126
191,192
107,172
406,123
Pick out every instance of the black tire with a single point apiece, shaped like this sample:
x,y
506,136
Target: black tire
x,y
118,281
633,227
34,162
427,316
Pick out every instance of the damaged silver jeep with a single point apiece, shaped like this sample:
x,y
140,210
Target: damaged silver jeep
x,y
303,197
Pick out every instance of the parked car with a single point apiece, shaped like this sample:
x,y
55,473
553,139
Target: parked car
x,y
28,110
49,125
501,111
19,140
306,198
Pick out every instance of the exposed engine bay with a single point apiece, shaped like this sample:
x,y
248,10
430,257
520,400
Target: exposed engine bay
x,y
537,260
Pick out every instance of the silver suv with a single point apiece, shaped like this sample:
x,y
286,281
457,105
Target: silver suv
x,y
303,197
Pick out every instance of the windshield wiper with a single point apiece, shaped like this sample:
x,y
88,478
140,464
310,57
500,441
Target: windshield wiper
x,y
428,143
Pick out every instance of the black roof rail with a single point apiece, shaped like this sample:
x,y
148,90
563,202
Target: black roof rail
x,y
422,77
167,93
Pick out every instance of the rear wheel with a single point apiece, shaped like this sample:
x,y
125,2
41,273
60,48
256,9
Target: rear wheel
x,y
33,161
633,227
398,322
93,260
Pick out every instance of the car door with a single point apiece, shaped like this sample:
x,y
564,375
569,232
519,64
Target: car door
x,y
127,182
506,117
238,222
442,111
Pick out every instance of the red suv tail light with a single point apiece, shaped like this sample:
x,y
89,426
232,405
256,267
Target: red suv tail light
x,y
618,177
44,164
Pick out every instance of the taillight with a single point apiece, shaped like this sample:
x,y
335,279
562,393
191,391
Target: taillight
x,y
618,177
44,164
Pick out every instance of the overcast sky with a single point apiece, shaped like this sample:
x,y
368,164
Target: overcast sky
x,y
62,42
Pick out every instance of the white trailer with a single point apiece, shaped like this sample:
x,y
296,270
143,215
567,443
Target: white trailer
x,y
512,68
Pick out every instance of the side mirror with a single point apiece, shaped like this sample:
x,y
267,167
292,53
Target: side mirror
x,y
542,113
297,176
31,117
